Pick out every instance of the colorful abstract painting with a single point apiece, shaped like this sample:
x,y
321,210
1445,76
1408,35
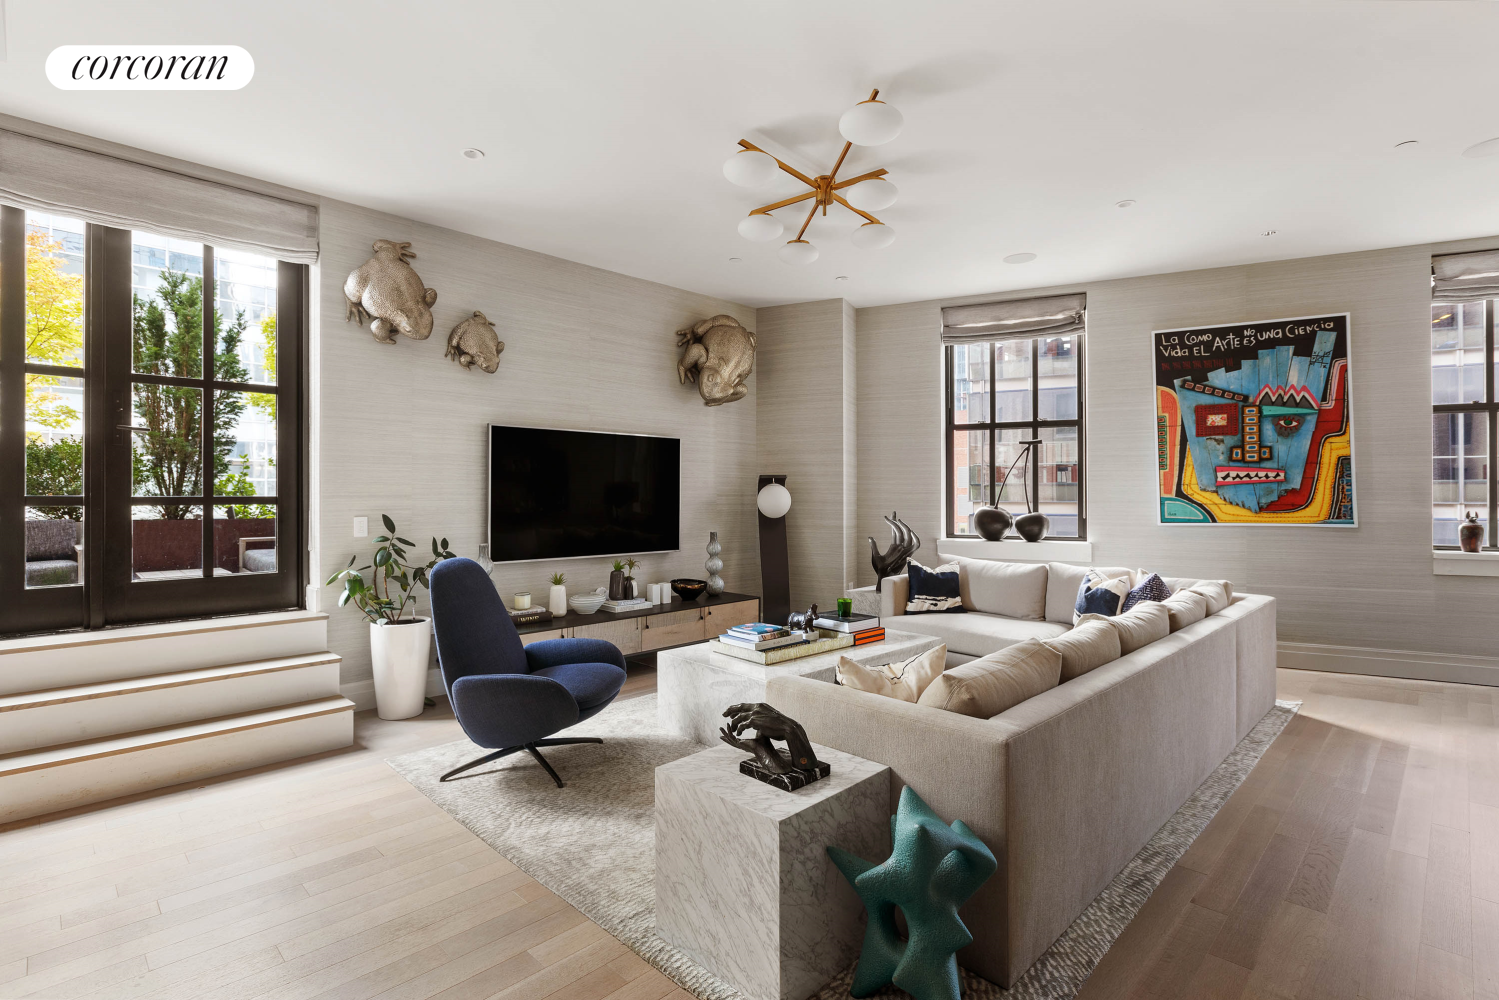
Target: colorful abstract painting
x,y
1253,423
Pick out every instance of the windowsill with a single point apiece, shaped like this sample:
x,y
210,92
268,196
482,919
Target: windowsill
x,y
1016,550
1448,563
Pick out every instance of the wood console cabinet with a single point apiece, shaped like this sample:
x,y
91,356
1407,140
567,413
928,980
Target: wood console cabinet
x,y
660,626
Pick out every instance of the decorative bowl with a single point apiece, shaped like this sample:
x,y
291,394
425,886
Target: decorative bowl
x,y
689,590
585,604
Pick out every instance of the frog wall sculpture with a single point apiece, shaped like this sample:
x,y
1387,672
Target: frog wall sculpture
x,y
719,356
473,343
386,289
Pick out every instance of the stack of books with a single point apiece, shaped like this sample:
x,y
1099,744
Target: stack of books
x,y
864,628
759,637
529,616
629,604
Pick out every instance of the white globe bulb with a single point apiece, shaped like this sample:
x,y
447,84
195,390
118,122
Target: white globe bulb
x,y
872,123
798,252
760,228
750,168
774,500
872,236
872,195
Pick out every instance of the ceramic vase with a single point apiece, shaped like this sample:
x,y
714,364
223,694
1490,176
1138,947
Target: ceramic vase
x,y
1470,534
1032,526
617,580
557,600
992,523
714,565
399,655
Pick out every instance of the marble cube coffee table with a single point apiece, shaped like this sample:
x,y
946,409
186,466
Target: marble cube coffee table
x,y
744,884
694,685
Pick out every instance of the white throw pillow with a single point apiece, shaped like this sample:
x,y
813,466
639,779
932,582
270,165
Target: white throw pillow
x,y
902,681
1185,607
1015,590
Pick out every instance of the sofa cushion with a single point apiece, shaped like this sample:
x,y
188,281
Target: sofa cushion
x,y
933,589
903,681
1139,626
51,539
997,682
51,573
1219,593
978,634
1185,607
1012,589
1086,647
1062,583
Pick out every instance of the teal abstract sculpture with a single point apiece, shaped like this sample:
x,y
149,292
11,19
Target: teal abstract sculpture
x,y
932,871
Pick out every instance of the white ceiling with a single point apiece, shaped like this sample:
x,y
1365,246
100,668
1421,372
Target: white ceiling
x,y
605,124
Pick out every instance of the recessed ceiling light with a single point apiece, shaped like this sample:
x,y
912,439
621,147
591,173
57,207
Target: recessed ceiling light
x,y
473,154
841,277
1126,203
1020,258
1408,144
1268,232
1489,147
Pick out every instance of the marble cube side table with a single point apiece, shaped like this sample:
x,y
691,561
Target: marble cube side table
x,y
743,880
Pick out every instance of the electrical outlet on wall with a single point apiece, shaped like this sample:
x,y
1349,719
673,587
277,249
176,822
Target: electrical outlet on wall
x,y
361,527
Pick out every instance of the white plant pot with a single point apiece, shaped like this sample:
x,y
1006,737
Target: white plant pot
x,y
400,654
557,600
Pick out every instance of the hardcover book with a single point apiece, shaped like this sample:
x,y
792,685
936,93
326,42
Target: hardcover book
x,y
847,623
758,629
775,642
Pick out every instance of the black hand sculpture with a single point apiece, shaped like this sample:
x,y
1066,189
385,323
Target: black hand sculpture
x,y
894,559
769,724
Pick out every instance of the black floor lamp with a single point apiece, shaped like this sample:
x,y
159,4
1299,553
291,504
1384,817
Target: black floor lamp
x,y
773,501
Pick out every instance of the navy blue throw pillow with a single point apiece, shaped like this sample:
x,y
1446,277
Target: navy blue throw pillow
x,y
1152,588
933,590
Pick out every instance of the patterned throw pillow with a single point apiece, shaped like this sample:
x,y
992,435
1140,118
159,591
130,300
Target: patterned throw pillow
x,y
1149,587
1098,595
933,590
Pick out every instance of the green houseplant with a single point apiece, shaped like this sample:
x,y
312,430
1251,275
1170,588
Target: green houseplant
x,y
400,647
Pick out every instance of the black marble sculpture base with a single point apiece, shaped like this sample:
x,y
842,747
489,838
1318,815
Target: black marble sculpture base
x,y
786,782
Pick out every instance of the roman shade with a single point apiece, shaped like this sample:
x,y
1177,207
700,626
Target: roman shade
x,y
1465,277
53,177
1050,316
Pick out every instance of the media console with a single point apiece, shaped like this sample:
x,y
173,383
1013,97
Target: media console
x,y
660,626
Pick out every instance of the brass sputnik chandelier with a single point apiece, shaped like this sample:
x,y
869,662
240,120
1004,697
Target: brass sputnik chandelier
x,y
868,123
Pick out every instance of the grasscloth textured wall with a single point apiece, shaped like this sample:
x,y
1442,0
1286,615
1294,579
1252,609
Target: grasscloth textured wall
x,y
1370,586
403,429
805,411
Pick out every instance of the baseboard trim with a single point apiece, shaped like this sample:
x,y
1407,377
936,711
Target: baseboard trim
x,y
1446,667
362,693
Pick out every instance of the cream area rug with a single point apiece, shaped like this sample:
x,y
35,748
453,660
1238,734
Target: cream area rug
x,y
592,843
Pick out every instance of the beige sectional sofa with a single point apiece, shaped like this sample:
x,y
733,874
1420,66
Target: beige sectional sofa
x,y
1066,787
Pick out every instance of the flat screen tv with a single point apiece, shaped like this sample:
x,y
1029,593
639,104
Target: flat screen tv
x,y
557,494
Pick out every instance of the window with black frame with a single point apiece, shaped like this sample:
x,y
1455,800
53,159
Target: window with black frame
x,y
150,397
1464,403
1009,389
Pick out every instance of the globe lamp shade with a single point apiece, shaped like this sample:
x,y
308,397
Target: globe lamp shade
x,y
774,500
750,168
871,123
872,236
760,228
872,195
797,252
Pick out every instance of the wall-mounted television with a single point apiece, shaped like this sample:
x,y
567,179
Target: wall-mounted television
x,y
556,494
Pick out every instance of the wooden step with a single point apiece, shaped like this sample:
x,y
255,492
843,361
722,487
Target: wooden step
x,y
93,711
34,782
67,659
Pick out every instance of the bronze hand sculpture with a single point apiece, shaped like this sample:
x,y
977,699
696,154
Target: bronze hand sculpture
x,y
893,560
769,724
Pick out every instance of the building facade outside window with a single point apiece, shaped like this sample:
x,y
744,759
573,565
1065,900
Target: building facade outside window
x,y
1464,412
1000,394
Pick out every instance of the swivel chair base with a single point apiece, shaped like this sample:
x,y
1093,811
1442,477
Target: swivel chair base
x,y
531,748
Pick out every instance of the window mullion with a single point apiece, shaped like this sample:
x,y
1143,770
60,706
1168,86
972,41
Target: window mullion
x,y
210,370
1493,420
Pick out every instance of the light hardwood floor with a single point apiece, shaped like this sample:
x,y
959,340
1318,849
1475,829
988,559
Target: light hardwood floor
x,y
1359,859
